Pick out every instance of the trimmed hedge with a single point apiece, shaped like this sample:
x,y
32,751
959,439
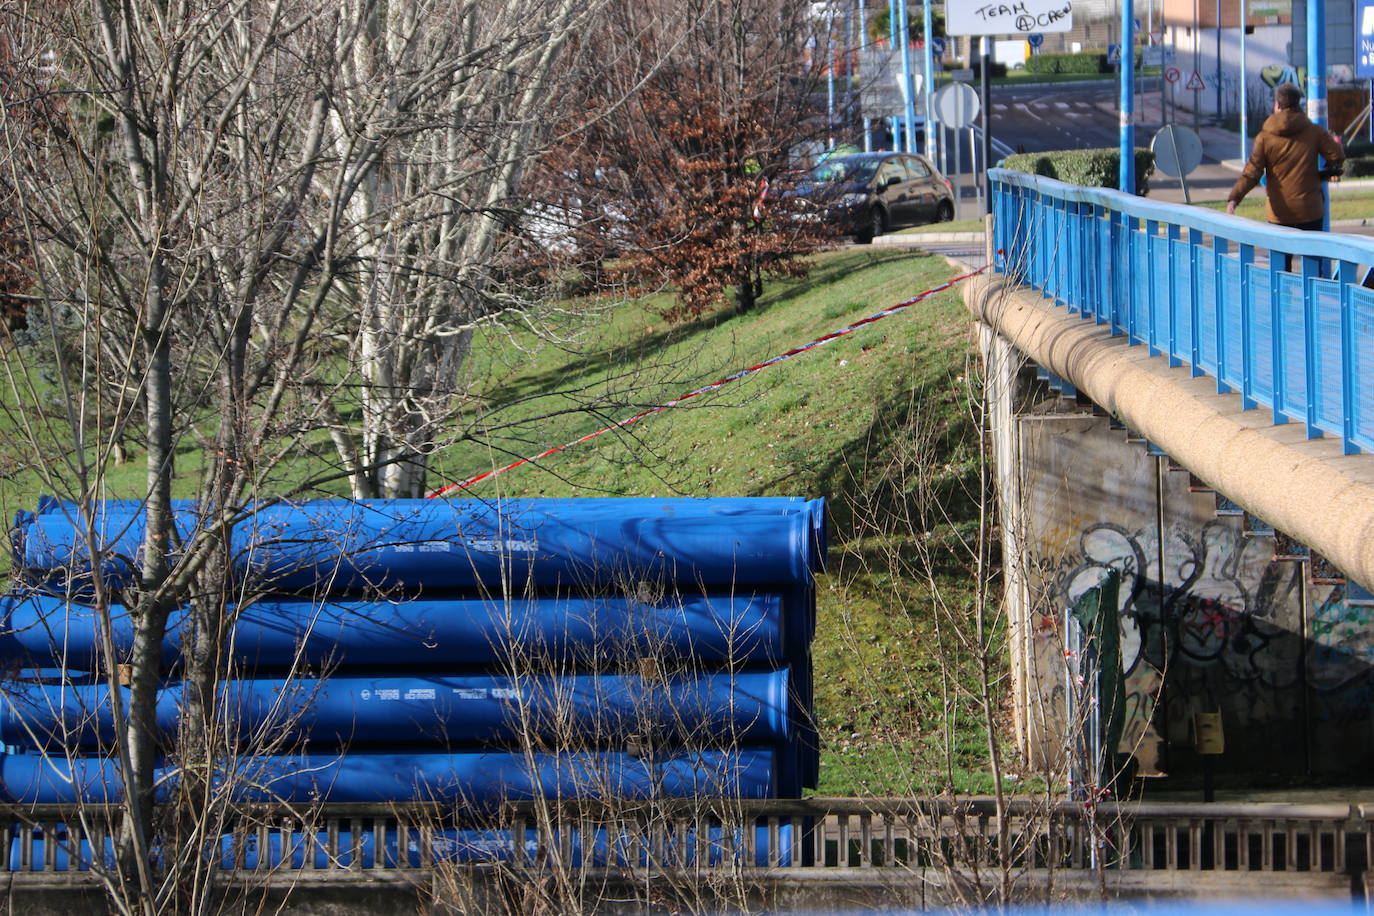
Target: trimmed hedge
x,y
1359,148
1361,167
1090,168
1084,62
998,70
1087,62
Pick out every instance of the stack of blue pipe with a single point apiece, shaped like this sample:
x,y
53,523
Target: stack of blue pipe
x,y
476,651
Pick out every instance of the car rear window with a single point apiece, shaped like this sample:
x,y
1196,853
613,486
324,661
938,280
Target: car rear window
x,y
916,168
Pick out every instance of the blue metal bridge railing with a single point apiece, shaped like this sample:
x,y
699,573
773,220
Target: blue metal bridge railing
x,y
1275,314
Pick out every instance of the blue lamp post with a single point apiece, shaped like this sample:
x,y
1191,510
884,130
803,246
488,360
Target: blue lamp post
x,y
1126,176
1316,82
928,25
908,88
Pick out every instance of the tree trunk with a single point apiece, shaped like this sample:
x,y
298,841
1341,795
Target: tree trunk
x,y
745,296
152,604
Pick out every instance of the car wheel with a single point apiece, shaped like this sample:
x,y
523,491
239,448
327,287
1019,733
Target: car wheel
x,y
945,212
874,228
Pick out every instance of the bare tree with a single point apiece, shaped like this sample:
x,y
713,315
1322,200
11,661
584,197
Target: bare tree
x,y
259,234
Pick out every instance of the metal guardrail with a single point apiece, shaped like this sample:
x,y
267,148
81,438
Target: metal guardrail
x,y
1209,291
56,844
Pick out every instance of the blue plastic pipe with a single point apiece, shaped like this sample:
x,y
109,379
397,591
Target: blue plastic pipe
x,y
429,633
477,780
712,709
341,545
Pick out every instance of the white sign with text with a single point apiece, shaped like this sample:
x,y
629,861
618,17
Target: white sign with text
x,y
1016,17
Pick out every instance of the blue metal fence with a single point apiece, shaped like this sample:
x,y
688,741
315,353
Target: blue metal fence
x,y
1275,314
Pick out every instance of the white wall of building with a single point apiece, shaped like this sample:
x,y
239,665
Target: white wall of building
x,y
1196,50
1279,46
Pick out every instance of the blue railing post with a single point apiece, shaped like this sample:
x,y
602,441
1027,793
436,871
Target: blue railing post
x,y
1347,274
1170,347
1040,226
1061,244
1311,270
1115,289
999,213
1080,274
1132,241
1246,256
1220,249
1152,281
1194,301
1279,381
1073,262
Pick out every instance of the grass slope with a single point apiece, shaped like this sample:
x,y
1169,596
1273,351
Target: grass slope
x,y
877,422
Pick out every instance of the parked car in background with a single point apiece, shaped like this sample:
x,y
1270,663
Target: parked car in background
x,y
867,194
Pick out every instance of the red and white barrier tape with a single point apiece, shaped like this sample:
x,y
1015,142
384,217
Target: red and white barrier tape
x,y
795,351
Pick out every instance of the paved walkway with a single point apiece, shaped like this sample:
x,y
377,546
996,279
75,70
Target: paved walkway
x,y
965,248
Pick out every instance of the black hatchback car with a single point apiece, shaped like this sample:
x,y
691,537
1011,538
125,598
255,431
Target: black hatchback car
x,y
867,194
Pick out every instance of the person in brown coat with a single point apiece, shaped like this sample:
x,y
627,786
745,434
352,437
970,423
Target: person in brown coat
x,y
1286,151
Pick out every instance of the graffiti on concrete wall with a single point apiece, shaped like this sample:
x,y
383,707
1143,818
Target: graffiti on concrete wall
x,y
1213,619
1340,659
1207,609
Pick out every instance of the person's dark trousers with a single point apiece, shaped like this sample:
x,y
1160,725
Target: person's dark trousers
x,y
1312,226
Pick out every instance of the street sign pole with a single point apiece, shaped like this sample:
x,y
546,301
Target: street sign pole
x,y
1127,169
894,35
1219,60
1316,83
987,122
1177,152
1165,62
956,107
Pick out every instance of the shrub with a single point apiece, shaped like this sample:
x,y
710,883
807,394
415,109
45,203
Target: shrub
x,y
999,69
1091,168
1361,167
1359,148
1087,62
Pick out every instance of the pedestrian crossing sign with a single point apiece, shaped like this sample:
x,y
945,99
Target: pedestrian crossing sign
x,y
1113,54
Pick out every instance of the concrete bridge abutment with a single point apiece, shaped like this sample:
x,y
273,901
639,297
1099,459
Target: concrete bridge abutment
x,y
1243,550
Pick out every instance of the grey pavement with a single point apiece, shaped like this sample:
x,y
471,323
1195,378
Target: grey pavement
x,y
965,248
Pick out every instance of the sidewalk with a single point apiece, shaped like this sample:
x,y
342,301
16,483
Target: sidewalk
x,y
1221,162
